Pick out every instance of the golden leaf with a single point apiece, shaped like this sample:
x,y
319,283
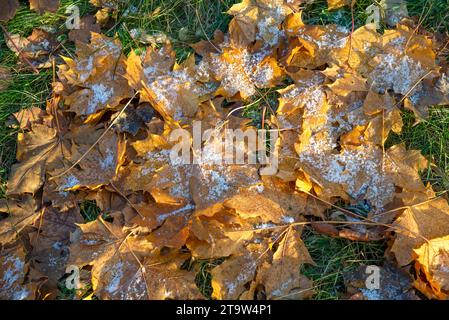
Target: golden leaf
x,y
281,278
424,219
432,260
230,277
336,4
41,6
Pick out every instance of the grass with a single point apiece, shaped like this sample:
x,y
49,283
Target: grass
x,y
203,277
334,257
431,136
89,210
188,21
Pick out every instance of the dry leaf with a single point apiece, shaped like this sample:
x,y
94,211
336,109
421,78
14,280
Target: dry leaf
x,y
9,8
26,117
5,78
36,151
13,285
17,215
341,100
336,4
50,241
425,219
83,33
432,261
281,278
230,277
42,6
38,48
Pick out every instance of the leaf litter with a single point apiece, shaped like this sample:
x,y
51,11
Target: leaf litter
x,y
104,136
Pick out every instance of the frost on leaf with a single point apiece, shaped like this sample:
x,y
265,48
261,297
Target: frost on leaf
x,y
95,78
106,138
12,275
175,91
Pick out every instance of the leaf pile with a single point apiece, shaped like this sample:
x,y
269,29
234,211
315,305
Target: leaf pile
x,y
104,136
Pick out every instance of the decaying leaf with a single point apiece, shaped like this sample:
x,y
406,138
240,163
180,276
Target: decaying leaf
x,y
50,241
97,77
281,278
42,6
38,48
260,20
9,8
240,70
83,33
36,150
16,215
173,90
13,272
5,78
230,277
426,218
393,284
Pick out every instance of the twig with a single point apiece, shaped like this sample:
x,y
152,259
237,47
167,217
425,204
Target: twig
x,y
352,30
204,31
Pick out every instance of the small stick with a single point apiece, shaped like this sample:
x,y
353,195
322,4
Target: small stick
x,y
352,31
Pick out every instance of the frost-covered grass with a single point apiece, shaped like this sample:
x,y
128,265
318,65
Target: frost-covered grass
x,y
188,21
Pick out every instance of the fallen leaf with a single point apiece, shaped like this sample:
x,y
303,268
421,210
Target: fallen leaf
x,y
281,278
16,215
13,271
230,277
5,78
38,49
26,117
42,6
9,8
424,219
50,241
337,4
37,151
83,33
432,260
394,283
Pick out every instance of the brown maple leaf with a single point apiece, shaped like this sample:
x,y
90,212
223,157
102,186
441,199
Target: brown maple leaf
x,y
9,8
50,241
13,285
38,49
17,215
42,6
96,76
432,261
37,150
83,33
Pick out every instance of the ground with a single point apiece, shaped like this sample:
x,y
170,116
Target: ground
x,y
188,21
